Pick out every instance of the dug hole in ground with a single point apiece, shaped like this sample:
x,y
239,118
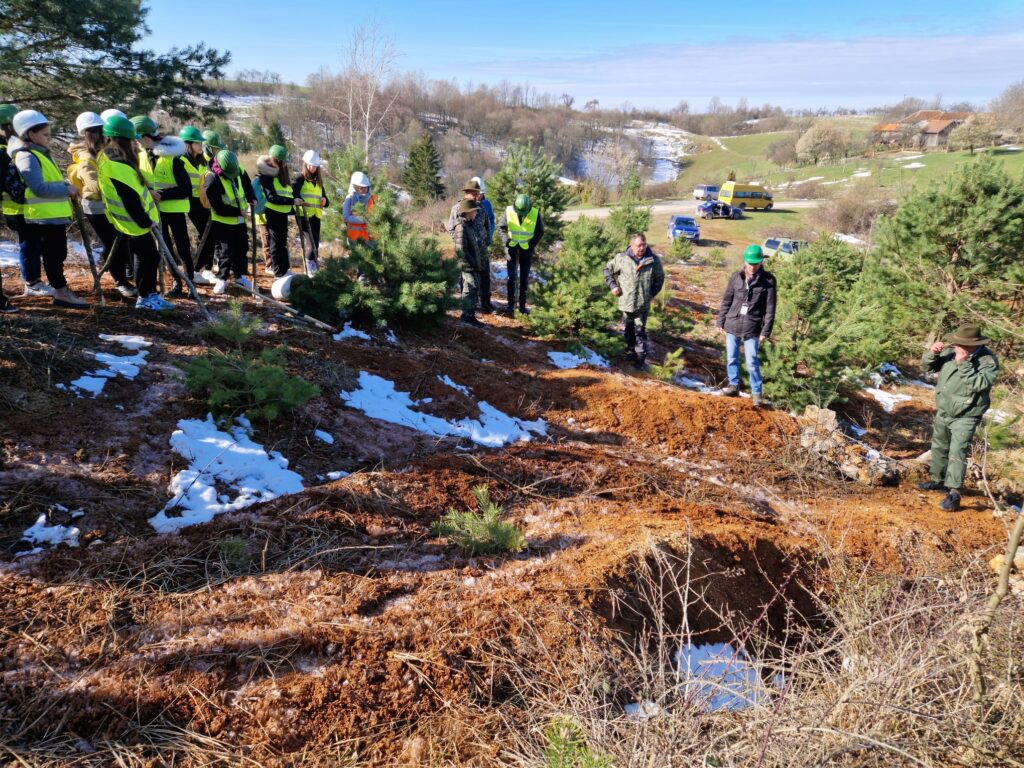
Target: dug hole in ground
x,y
697,586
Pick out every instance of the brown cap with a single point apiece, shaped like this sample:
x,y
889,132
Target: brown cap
x,y
468,205
472,186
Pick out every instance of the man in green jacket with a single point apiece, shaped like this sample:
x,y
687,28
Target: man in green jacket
x,y
966,373
635,276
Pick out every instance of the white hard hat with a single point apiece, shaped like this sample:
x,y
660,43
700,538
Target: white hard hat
x,y
282,287
483,186
28,119
359,179
311,157
106,114
88,120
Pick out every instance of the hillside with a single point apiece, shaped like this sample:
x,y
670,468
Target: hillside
x,y
315,620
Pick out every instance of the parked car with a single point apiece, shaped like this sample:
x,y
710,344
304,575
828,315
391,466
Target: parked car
x,y
705,192
782,246
683,226
713,209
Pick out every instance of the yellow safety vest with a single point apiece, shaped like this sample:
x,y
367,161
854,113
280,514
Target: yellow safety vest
x,y
10,207
163,178
117,214
42,209
312,195
283,191
145,167
195,173
520,232
235,193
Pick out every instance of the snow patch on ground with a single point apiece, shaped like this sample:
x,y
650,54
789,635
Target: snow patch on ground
x,y
326,437
378,399
695,384
230,460
42,535
998,416
913,166
125,366
348,332
566,360
446,380
642,710
861,174
888,400
848,239
131,343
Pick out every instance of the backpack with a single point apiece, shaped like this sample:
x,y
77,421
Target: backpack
x,y
13,184
261,197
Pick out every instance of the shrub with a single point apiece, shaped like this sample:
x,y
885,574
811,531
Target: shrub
x,y
630,216
671,366
234,326
402,278
573,302
566,747
531,170
482,532
672,321
238,382
853,211
681,250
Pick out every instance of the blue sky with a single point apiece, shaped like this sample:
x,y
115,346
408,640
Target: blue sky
x,y
655,53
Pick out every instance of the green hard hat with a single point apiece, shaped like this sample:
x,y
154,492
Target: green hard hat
x,y
190,134
144,125
228,162
120,127
753,254
522,202
212,139
7,113
279,153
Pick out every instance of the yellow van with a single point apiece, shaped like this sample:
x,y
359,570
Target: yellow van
x,y
749,197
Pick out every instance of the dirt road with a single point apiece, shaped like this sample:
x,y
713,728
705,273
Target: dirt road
x,y
681,207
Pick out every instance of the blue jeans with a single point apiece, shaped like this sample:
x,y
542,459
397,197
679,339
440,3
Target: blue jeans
x,y
732,366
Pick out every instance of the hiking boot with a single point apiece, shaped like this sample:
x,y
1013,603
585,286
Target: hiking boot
x,y
175,291
731,391
508,312
6,307
952,501
640,364
220,287
931,485
63,297
470,320
243,282
38,288
524,311
755,400
486,309
127,290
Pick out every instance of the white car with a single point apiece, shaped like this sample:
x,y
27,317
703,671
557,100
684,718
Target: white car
x,y
705,192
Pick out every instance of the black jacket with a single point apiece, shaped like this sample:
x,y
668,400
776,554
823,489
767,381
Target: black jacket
x,y
759,298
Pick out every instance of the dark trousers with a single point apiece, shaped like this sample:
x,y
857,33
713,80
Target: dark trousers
x,y
27,261
311,226
175,229
277,242
636,333
519,263
232,249
51,242
485,284
200,217
108,236
147,260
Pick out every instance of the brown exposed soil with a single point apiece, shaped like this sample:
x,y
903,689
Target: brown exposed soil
x,y
331,624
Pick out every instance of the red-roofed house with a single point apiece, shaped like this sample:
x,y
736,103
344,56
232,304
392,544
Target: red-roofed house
x,y
926,129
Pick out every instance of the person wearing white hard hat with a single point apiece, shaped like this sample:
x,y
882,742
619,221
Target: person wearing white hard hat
x,y
357,207
309,188
83,173
107,113
47,209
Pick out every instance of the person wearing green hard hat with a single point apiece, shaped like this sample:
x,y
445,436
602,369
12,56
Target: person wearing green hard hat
x,y
195,164
173,184
131,207
212,144
635,277
746,316
229,207
520,228
148,135
275,183
10,207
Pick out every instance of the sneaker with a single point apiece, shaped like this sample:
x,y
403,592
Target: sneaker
x,y
470,320
755,399
952,501
38,288
931,485
220,287
148,302
127,291
524,311
731,391
243,282
63,297
6,307
508,312
206,277
160,302
312,266
200,279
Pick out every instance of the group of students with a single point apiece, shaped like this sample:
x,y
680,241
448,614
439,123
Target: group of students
x,y
138,189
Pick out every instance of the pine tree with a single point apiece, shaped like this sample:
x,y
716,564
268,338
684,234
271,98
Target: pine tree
x,y
529,169
631,216
275,135
63,58
422,171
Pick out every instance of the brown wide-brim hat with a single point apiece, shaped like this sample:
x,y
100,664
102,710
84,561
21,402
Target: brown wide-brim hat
x,y
967,336
471,186
468,205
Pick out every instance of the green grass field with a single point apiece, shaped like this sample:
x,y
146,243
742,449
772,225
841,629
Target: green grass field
x,y
734,236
